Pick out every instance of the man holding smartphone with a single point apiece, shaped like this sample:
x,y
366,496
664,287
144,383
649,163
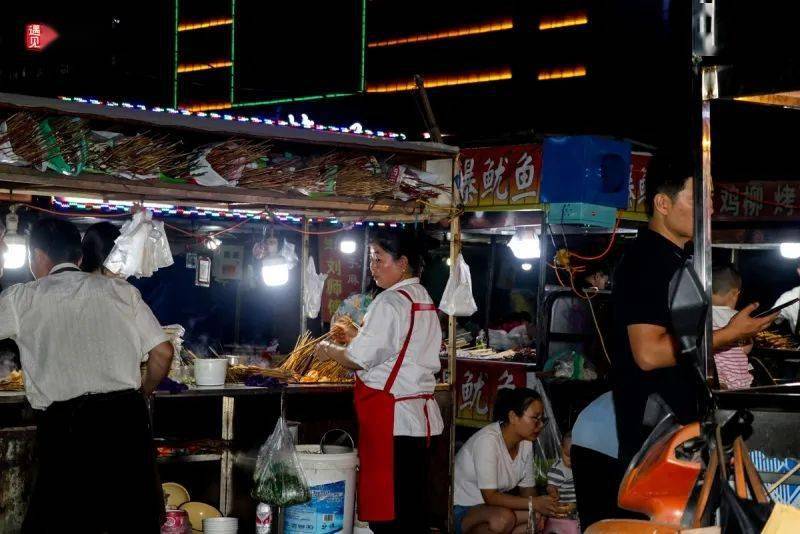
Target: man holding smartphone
x,y
644,355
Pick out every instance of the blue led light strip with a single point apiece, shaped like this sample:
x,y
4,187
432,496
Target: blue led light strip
x,y
354,129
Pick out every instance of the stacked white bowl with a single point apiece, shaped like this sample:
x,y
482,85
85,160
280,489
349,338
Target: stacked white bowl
x,y
220,525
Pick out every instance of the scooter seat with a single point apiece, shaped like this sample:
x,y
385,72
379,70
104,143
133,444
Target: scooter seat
x,y
630,526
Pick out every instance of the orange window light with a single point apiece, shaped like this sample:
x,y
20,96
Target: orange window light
x,y
500,25
213,23
579,18
560,73
206,106
442,81
194,67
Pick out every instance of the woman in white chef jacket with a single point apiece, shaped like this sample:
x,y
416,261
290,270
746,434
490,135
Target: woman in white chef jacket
x,y
396,355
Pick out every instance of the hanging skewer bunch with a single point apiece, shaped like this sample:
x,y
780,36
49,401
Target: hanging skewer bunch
x,y
283,172
144,155
232,158
22,139
413,184
362,176
38,141
274,172
67,139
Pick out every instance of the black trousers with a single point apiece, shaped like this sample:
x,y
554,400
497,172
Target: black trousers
x,y
96,468
410,488
597,480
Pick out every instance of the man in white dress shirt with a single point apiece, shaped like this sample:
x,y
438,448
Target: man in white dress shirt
x,y
82,338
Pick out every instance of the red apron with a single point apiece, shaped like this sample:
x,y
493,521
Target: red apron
x,y
375,411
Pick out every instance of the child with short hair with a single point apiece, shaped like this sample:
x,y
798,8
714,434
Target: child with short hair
x,y
560,483
733,368
561,486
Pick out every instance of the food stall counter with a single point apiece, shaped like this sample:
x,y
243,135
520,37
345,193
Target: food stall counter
x,y
234,390
12,397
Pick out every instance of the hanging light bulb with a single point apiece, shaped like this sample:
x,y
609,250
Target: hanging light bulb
x,y
16,247
525,244
212,243
790,250
274,267
274,272
526,266
447,261
347,246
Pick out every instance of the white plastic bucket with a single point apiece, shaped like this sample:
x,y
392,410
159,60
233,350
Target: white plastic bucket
x,y
210,371
332,478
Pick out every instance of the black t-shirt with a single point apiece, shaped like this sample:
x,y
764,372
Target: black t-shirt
x,y
641,296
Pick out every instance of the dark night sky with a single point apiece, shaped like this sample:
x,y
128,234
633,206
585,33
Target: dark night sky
x,y
636,51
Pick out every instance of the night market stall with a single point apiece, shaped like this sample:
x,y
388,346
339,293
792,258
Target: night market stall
x,y
247,206
549,220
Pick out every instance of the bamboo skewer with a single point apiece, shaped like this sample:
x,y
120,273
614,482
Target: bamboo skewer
x,y
301,361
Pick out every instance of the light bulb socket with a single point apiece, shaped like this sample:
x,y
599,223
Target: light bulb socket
x,y
12,221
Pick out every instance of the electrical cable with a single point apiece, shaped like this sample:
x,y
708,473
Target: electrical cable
x,y
597,326
605,252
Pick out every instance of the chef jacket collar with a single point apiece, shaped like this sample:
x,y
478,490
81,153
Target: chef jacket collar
x,y
62,266
406,282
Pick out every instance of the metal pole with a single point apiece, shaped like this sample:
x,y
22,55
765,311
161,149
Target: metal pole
x,y
541,327
489,285
303,266
226,464
238,312
430,119
365,260
702,205
455,250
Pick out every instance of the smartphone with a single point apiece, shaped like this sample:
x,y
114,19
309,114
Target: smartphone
x,y
775,309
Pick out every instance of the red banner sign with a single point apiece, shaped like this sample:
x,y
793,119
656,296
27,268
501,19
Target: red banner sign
x,y
39,36
501,176
756,200
477,384
637,185
511,176
344,274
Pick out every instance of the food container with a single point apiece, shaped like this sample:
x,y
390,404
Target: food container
x,y
210,371
237,360
177,522
221,525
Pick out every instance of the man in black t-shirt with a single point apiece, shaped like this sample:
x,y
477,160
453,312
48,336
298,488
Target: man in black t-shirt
x,y
644,356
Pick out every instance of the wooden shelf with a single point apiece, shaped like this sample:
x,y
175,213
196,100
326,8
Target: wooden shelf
x,y
225,128
189,458
24,180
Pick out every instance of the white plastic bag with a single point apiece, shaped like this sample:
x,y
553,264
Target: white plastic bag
x,y
7,154
500,340
204,174
141,248
175,332
287,251
312,290
457,298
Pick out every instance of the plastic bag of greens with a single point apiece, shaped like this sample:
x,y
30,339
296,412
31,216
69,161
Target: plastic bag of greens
x,y
279,477
547,447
